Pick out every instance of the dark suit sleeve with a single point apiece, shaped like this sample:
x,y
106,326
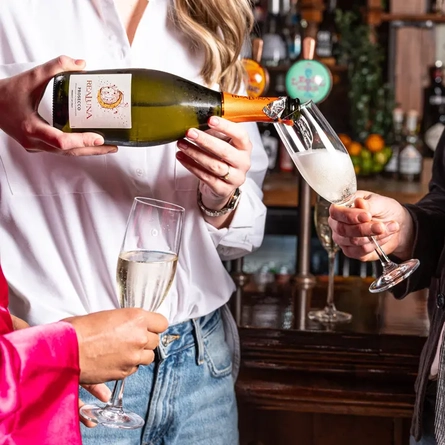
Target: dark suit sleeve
x,y
429,225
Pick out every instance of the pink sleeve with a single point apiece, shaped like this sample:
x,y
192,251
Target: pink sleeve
x,y
39,377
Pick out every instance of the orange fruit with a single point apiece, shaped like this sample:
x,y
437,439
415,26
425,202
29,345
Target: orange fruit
x,y
346,140
354,148
374,143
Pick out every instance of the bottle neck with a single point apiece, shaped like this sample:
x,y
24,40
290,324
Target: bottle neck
x,y
245,109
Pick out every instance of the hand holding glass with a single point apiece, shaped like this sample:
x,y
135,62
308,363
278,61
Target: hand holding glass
x,y
145,271
324,163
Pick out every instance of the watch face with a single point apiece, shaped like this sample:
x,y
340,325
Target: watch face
x,y
234,199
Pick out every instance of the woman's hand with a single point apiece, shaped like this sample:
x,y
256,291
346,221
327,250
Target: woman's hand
x,y
372,215
220,158
18,323
19,100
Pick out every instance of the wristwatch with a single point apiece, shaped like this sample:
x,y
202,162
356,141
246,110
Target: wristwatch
x,y
229,207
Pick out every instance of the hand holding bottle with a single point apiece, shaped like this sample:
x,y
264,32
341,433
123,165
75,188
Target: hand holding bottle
x,y
372,215
220,158
19,99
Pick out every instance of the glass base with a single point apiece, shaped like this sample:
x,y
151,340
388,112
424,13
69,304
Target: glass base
x,y
329,316
393,275
112,417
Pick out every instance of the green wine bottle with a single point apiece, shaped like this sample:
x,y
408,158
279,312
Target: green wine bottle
x,y
141,107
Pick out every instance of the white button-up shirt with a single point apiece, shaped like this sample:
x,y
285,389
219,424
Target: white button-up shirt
x,y
62,219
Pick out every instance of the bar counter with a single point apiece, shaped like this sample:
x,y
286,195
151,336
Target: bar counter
x,y
281,189
305,383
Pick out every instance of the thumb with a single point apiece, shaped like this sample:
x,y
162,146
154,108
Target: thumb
x,y
42,74
379,208
58,65
368,201
101,391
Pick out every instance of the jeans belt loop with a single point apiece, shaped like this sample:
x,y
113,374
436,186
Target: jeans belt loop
x,y
199,342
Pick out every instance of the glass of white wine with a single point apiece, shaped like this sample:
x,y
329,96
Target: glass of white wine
x,y
324,163
329,314
145,270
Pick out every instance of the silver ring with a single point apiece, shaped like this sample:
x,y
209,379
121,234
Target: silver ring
x,y
225,177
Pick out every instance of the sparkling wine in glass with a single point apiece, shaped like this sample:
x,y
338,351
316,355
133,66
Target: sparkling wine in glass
x,y
145,270
324,163
329,314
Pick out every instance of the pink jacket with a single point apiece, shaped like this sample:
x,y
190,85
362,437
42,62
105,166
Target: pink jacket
x,y
39,377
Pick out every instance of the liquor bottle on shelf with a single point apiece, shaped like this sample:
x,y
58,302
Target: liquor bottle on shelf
x,y
257,76
410,158
286,165
327,35
433,122
392,167
142,107
274,47
436,7
271,144
294,32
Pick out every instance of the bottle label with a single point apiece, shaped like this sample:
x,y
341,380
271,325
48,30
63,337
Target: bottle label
x,y
433,134
324,44
410,161
437,100
100,100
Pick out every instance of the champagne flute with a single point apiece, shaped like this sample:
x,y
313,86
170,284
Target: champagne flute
x,y
324,163
145,270
329,314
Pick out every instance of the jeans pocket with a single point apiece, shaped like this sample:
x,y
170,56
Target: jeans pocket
x,y
217,352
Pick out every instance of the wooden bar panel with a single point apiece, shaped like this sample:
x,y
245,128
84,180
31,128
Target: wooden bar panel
x,y
415,51
305,383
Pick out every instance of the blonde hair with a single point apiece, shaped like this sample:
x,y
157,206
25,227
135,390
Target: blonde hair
x,y
219,28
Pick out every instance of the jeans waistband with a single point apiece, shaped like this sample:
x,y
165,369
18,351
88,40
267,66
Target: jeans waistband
x,y
187,334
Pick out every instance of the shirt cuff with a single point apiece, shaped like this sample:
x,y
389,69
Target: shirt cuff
x,y
246,231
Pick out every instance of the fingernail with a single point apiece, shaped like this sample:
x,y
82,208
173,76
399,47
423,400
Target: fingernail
x,y
78,62
392,227
214,121
98,142
182,145
113,150
192,134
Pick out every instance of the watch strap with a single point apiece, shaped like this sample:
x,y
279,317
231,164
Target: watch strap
x,y
229,207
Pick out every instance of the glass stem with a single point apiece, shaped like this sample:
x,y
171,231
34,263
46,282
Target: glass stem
x,y
330,306
117,395
384,260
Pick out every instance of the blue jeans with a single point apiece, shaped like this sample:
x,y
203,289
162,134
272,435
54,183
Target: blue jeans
x,y
429,412
186,396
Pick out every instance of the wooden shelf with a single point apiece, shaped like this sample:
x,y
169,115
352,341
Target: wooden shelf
x,y
281,189
435,18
